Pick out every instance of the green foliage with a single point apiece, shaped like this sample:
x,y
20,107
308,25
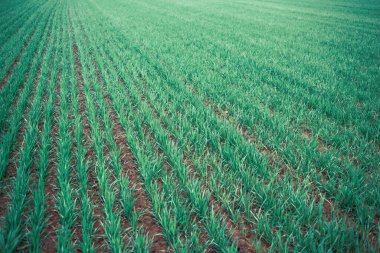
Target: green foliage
x,y
190,125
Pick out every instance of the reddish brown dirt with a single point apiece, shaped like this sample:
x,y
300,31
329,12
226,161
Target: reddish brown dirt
x,y
119,139
99,239
34,174
130,170
49,243
10,174
33,181
242,241
327,208
321,145
243,244
374,233
307,134
14,156
77,228
203,237
129,167
11,170
147,221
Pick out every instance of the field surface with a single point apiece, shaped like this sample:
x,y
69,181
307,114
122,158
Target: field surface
x,y
189,126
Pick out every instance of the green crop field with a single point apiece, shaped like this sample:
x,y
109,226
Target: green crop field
x,y
189,126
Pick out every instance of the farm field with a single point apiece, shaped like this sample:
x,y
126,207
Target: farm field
x,y
189,126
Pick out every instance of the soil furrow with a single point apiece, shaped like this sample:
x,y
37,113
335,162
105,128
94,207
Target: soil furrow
x,y
243,242
130,170
99,238
49,236
33,170
14,155
115,128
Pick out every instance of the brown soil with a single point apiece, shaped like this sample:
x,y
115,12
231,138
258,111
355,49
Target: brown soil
x,y
11,171
374,233
99,239
242,242
307,134
10,175
129,167
33,178
77,228
327,206
119,138
203,237
49,242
